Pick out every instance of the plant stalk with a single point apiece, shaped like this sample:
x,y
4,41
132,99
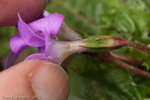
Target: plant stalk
x,y
107,57
138,46
126,59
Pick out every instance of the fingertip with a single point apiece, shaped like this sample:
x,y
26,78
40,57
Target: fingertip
x,y
17,78
35,77
50,82
28,9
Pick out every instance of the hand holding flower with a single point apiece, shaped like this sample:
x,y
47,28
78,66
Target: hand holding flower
x,y
31,78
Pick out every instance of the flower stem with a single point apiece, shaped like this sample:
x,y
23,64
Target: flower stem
x,y
123,42
138,46
126,59
107,57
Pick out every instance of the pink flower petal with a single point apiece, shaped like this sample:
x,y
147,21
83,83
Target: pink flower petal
x,y
16,43
29,37
41,50
37,56
10,61
49,25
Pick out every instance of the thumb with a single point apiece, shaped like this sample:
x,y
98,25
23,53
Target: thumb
x,y
34,79
28,9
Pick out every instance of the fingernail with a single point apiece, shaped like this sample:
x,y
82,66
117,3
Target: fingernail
x,y
50,82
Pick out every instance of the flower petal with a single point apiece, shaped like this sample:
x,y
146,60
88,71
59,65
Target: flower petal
x,y
49,25
29,37
41,50
37,56
48,42
10,61
16,43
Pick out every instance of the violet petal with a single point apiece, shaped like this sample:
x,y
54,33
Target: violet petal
x,y
49,25
10,61
38,56
48,42
41,50
29,37
16,43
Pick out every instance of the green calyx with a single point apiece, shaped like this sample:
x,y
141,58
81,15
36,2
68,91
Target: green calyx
x,y
102,43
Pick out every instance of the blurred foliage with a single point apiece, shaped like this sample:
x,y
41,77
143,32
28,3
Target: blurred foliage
x,y
89,79
5,34
93,81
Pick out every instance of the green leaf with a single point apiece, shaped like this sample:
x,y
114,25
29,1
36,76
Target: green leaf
x,y
125,23
147,62
144,91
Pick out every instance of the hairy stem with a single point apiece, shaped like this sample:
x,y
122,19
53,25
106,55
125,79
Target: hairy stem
x,y
126,59
107,57
138,46
131,68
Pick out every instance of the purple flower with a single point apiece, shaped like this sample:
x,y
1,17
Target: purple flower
x,y
38,33
35,34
